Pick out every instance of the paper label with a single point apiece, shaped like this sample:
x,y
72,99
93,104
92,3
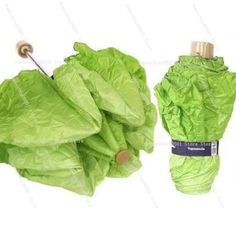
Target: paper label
x,y
195,148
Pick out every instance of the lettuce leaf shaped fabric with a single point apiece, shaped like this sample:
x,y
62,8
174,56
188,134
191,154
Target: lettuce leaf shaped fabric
x,y
121,93
35,111
67,132
195,100
40,124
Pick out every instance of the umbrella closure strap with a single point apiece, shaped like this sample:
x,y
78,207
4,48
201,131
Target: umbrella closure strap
x,y
184,148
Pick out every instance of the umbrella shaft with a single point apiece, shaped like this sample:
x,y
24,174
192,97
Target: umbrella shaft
x,y
36,63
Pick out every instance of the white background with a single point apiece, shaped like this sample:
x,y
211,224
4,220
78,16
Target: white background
x,y
155,32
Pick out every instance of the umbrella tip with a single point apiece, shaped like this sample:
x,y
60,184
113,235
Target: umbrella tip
x,y
122,156
23,48
204,49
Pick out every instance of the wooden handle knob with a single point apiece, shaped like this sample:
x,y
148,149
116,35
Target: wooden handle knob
x,y
23,48
203,49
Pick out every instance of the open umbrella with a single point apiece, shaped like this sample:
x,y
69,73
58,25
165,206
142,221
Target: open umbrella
x,y
87,123
123,96
195,100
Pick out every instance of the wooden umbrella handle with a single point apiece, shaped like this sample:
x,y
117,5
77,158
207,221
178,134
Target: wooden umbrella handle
x,y
204,49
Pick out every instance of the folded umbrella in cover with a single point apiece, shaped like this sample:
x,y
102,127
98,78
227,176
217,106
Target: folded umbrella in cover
x,y
195,100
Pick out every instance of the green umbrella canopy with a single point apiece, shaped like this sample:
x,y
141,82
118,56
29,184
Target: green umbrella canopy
x,y
40,124
123,96
195,100
69,131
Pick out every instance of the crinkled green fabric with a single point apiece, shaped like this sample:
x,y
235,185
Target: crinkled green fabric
x,y
106,144
41,120
195,100
123,96
36,111
66,132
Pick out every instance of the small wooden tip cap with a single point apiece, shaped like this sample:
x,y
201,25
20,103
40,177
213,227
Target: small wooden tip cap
x,y
122,156
23,47
204,49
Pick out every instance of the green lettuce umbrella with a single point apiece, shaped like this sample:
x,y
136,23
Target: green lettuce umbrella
x,y
195,100
85,124
123,96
